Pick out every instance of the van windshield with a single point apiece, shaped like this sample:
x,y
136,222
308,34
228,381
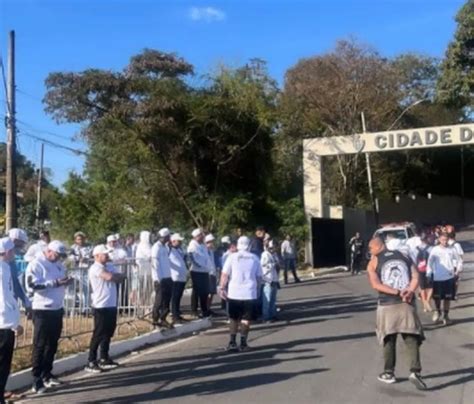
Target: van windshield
x,y
400,234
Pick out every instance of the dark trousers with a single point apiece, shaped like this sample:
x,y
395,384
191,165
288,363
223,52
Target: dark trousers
x,y
157,302
356,262
48,325
178,290
105,322
290,265
166,294
200,292
412,343
7,343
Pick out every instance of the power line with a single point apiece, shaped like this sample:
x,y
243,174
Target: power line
x,y
77,152
46,132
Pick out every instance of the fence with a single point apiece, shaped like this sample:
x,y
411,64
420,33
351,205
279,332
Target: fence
x,y
135,299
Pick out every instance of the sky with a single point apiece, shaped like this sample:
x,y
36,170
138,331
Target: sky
x,y
73,35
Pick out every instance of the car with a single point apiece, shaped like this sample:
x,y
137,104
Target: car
x,y
401,231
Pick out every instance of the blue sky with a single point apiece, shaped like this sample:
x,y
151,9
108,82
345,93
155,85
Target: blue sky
x,y
72,35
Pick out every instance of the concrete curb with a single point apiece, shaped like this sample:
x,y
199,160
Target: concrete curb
x,y
23,378
315,273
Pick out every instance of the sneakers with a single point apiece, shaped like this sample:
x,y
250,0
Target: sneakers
x,y
52,381
416,379
387,377
436,316
447,320
106,364
244,348
38,387
232,347
92,367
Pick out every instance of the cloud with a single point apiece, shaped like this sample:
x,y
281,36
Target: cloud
x,y
206,14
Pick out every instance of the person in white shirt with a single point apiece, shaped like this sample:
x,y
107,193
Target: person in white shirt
x,y
179,275
240,285
443,265
288,253
46,278
412,245
161,274
104,278
199,259
143,261
80,256
209,240
36,249
117,254
454,244
9,313
270,282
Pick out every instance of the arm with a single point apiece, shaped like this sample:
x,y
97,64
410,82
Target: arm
x,y
375,280
459,259
35,279
111,276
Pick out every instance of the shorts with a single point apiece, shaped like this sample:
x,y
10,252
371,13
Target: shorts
x,y
444,290
242,309
212,284
426,282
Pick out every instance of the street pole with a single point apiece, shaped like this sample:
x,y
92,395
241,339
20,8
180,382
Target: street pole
x,y
463,202
11,213
38,195
375,209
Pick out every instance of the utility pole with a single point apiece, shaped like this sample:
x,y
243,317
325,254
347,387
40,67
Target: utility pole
x,y
11,214
39,188
375,207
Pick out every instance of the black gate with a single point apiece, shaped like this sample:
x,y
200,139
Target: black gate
x,y
328,241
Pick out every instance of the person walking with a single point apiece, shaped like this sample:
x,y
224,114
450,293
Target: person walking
x,y
199,257
161,272
288,253
103,278
425,281
395,279
356,245
444,264
9,313
46,278
211,264
270,282
240,285
457,246
179,275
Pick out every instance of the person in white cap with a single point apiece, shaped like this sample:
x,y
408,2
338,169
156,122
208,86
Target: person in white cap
x,y
46,278
198,256
9,313
240,285
161,274
117,254
179,275
211,264
19,238
104,278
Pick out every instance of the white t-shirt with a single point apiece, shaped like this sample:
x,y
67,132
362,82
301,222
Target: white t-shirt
x,y
442,263
245,272
9,311
35,251
178,266
199,257
270,273
103,293
160,262
412,244
458,263
288,249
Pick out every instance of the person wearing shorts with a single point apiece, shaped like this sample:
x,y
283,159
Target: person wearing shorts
x,y
240,283
442,266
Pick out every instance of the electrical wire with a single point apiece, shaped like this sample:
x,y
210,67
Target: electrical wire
x,y
77,152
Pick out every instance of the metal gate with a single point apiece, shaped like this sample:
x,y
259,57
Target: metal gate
x,y
328,242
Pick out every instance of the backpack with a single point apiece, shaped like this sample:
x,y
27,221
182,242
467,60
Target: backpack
x,y
422,259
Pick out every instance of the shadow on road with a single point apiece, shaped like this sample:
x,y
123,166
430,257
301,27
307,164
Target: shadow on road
x,y
467,375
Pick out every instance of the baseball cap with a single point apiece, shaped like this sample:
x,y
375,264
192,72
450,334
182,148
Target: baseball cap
x,y
57,247
177,237
243,243
164,232
101,249
18,234
225,239
79,234
209,238
196,232
6,244
112,237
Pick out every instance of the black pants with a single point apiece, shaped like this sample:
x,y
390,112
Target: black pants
x,y
7,343
48,325
178,290
356,263
290,265
200,292
412,343
166,286
157,302
105,322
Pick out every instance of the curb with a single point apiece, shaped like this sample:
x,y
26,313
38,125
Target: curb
x,y
23,378
315,273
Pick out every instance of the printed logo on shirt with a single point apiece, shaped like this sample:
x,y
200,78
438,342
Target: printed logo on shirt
x,y
394,273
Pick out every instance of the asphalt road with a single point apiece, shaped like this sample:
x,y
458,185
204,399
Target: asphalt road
x,y
323,351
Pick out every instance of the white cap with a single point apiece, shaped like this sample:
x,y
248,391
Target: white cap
x,y
112,237
196,232
6,244
57,247
243,243
18,234
177,237
209,238
164,232
225,239
101,249
266,237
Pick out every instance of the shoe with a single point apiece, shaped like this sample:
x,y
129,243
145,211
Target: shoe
x,y
92,367
447,320
52,381
387,377
297,280
435,317
106,364
232,347
244,348
416,379
38,387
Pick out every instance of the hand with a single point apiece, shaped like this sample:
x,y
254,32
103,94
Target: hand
x,y
223,294
29,313
406,295
65,281
19,331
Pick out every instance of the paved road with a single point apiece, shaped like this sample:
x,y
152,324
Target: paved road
x,y
324,351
